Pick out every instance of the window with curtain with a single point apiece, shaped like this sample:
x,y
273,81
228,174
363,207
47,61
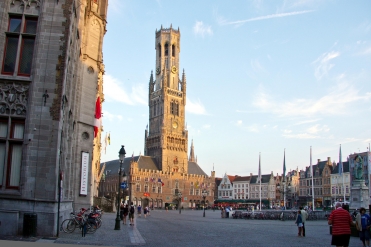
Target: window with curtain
x,y
11,151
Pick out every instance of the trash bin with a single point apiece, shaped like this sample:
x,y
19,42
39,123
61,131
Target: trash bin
x,y
30,224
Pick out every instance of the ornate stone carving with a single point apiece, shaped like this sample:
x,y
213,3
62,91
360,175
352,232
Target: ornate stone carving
x,y
13,99
27,3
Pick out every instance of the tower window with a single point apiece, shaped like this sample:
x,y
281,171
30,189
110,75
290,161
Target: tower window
x,y
159,50
174,108
166,49
173,50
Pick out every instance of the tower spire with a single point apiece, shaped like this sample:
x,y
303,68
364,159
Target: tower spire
x,y
192,153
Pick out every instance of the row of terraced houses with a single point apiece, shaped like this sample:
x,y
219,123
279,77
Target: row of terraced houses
x,y
295,188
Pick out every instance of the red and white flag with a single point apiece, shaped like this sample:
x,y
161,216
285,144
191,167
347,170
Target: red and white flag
x,y
98,115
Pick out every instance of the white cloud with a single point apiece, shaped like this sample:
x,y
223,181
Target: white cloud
x,y
201,29
239,122
317,128
111,117
334,102
287,131
195,107
300,136
206,126
269,17
307,121
114,91
323,65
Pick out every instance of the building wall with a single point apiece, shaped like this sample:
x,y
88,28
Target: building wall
x,y
56,101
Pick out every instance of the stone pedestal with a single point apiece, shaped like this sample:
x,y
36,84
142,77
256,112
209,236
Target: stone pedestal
x,y
359,196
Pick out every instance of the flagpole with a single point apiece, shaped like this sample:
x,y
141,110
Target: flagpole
x,y
311,167
260,187
342,171
284,179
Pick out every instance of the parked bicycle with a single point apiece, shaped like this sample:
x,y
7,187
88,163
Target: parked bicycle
x,y
80,220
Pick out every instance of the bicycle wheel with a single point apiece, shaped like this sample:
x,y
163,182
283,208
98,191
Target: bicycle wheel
x,y
91,227
99,222
68,226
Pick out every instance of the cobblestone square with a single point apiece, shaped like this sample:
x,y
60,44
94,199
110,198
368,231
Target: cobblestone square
x,y
190,228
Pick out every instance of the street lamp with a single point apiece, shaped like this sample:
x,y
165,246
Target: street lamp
x,y
180,202
121,158
284,191
204,194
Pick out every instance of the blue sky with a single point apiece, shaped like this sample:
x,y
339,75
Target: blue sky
x,y
262,76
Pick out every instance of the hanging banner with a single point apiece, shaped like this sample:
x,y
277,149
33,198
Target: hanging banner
x,y
84,173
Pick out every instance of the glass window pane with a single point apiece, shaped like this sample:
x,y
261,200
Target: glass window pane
x,y
3,129
15,24
26,56
10,54
30,26
15,165
18,131
2,161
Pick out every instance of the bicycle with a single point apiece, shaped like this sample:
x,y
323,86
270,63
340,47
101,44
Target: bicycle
x,y
80,220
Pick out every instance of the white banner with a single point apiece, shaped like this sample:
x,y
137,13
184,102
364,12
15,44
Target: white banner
x,y
84,173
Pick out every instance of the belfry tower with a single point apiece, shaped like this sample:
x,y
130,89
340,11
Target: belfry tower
x,y
166,140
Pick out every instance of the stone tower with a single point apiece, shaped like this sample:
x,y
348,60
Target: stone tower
x,y
167,137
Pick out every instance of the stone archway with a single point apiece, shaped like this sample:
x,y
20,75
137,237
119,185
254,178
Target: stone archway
x,y
145,202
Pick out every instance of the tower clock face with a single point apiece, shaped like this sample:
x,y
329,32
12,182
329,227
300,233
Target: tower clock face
x,y
175,125
174,69
158,70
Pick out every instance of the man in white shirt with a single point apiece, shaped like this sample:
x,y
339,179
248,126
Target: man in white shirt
x,y
227,210
304,217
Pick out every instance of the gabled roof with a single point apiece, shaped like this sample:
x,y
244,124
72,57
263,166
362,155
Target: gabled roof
x,y
265,179
194,168
218,181
145,162
242,179
231,178
345,167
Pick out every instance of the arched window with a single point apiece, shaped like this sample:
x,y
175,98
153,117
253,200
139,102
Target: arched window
x,y
166,49
173,50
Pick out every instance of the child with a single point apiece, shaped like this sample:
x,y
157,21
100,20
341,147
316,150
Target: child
x,y
299,222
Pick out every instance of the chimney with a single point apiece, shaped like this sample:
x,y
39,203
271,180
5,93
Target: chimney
x,y
319,160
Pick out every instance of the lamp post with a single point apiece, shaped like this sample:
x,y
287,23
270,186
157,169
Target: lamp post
x,y
284,191
121,158
180,202
204,194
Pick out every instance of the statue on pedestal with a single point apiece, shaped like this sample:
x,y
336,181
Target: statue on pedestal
x,y
358,167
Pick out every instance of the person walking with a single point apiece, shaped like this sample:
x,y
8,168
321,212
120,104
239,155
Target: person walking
x,y
122,206
304,217
227,210
131,214
299,223
125,214
341,222
145,210
139,210
363,226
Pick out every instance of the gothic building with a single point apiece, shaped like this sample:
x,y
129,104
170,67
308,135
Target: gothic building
x,y
50,100
157,177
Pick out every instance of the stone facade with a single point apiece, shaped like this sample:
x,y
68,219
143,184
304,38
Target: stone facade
x,y
51,76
